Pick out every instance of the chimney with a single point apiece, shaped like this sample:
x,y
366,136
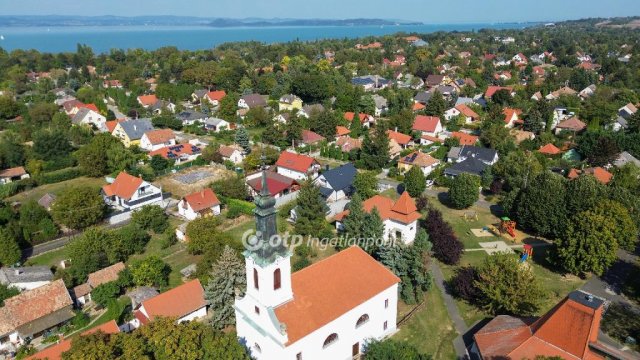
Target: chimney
x,y
589,297
396,129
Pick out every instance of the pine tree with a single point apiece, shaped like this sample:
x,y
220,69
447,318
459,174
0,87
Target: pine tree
x,y
310,210
375,150
242,139
353,223
356,126
227,281
436,105
10,253
372,230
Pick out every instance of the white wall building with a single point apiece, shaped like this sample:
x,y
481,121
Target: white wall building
x,y
130,192
199,204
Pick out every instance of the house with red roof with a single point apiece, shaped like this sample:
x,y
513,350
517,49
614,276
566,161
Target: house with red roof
x,y
572,124
54,352
425,162
568,331
214,97
199,204
81,294
464,138
131,192
511,116
147,101
156,139
309,137
297,166
427,125
549,149
401,139
179,153
13,174
184,303
233,153
365,119
342,131
470,116
493,89
277,185
599,173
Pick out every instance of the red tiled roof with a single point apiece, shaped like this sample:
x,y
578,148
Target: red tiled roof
x,y
160,136
399,137
385,207
341,131
276,183
105,275
347,144
599,173
201,200
418,106
227,151
509,114
55,352
418,158
177,302
492,90
89,106
404,205
147,100
349,116
310,137
467,111
426,123
549,149
124,186
176,150
464,138
330,288
13,172
573,124
432,138
216,95
69,105
296,162
111,125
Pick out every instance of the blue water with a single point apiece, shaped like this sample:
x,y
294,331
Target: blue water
x,y
102,39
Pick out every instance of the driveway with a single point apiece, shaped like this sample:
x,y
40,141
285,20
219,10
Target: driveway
x,y
116,111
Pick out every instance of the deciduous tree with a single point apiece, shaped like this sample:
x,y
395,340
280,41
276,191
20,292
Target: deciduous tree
x,y
415,182
79,207
464,191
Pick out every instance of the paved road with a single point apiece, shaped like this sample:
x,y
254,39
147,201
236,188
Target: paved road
x,y
116,111
452,309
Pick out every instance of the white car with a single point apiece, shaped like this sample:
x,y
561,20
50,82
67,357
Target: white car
x,y
429,183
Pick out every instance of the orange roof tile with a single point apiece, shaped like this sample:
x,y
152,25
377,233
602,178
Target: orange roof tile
x,y
105,275
177,302
341,131
227,151
492,90
147,100
599,173
347,144
297,162
55,352
418,106
160,136
467,111
349,116
175,150
404,205
432,138
573,124
111,124
509,114
89,106
216,95
399,137
426,123
549,149
464,138
124,186
310,137
418,158
330,288
385,208
13,172
201,200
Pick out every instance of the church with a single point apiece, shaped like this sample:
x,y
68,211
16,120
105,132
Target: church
x,y
328,310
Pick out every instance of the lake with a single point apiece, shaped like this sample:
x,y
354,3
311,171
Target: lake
x,y
102,39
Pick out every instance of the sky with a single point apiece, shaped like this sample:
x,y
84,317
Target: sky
x,y
427,11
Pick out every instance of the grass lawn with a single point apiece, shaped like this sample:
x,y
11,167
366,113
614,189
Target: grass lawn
x,y
51,258
37,192
430,330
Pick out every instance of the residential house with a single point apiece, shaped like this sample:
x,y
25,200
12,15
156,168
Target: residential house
x,y
464,139
146,101
47,200
310,138
142,293
31,313
251,101
409,81
519,59
56,351
572,124
13,174
131,192
462,153
423,161
625,158
277,185
400,217
289,103
216,124
503,75
394,149
627,111
25,277
130,132
470,116
214,97
198,95
579,314
307,110
381,105
232,153
341,131
435,80
180,153
417,107
549,149
184,303
563,91
427,125
86,116
511,116
337,183
297,166
587,92
423,97
156,139
371,82
521,135
470,165
112,84
398,61
346,143
537,96
599,173
400,138
190,117
560,114
82,293
365,119
199,204
493,89
111,125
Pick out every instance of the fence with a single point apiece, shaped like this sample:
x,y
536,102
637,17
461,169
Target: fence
x,y
410,314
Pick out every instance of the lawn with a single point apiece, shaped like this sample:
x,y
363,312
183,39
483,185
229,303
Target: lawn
x,y
51,258
57,188
430,330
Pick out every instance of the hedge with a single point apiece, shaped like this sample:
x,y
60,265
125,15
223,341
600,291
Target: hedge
x,y
59,176
10,189
237,207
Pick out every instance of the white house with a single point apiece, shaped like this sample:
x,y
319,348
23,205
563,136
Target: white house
x,y
231,153
199,204
130,192
425,162
26,277
86,116
337,183
157,139
326,311
185,303
214,97
297,166
13,174
216,124
427,125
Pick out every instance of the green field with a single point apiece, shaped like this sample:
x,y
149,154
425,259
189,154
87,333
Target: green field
x,y
57,188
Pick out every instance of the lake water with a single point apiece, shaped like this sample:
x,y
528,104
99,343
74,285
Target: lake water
x,y
102,39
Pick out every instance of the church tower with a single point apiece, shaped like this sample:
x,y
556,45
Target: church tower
x,y
268,263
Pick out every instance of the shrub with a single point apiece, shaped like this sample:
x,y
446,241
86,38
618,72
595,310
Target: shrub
x,y
446,246
59,176
105,293
239,207
151,217
463,283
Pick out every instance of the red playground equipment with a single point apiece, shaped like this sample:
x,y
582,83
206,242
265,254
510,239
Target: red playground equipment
x,y
527,252
509,226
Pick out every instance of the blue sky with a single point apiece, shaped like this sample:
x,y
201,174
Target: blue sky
x,y
428,11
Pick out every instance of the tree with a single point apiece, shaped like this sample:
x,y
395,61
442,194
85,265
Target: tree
x,y
589,244
79,207
10,253
42,113
415,182
158,163
625,229
49,144
375,149
125,242
104,154
7,292
151,271
464,191
392,350
584,193
408,263
230,186
463,284
502,97
151,217
353,223
12,150
372,228
227,281
541,206
228,106
36,223
366,184
103,294
508,287
436,105
242,139
517,169
88,253
355,126
446,246
9,108
311,210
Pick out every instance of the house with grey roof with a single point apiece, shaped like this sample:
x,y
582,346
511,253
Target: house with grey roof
x,y
471,166
381,105
423,97
190,117
198,95
47,200
337,183
131,131
141,294
625,158
307,110
86,116
250,101
462,153
216,124
25,278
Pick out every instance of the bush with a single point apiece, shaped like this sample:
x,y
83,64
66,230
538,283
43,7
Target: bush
x,y
105,293
237,207
422,202
168,238
446,246
59,176
463,284
464,191
151,217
